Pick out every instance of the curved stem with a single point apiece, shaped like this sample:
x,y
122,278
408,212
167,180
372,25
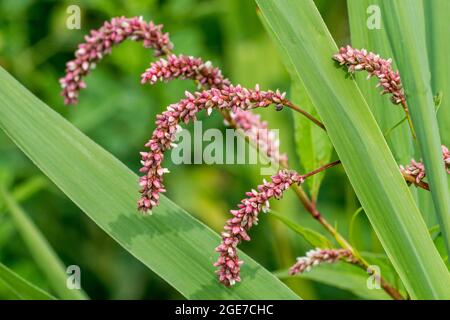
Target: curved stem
x,y
322,168
408,117
306,114
412,180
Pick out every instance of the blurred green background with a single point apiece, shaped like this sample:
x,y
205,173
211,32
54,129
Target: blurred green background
x,y
118,113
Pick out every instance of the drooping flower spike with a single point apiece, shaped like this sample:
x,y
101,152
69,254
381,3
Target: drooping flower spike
x,y
185,67
119,29
317,256
167,125
100,42
206,75
258,132
236,228
389,80
416,169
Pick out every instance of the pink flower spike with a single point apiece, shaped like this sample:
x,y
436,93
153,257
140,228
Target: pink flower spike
x,y
446,157
258,132
416,169
99,43
358,60
206,75
235,230
318,256
184,67
229,98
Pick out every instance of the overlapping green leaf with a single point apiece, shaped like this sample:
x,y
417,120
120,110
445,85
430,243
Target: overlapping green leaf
x,y
406,29
360,145
314,238
437,14
363,16
368,31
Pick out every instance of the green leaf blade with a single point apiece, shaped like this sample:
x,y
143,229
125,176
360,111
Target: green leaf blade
x,y
360,145
406,26
172,243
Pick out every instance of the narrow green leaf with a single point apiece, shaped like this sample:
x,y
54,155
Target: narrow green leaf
x,y
439,241
47,260
361,147
313,146
21,287
406,29
172,243
376,40
314,238
342,276
437,14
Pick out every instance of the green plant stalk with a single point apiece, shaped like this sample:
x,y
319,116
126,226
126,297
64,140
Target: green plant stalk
x,y
361,146
404,20
40,249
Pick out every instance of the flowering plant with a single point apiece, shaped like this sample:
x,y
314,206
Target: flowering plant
x,y
364,202
234,102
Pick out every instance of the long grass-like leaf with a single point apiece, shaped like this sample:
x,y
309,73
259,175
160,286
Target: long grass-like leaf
x,y
360,145
406,28
387,114
390,118
172,243
437,14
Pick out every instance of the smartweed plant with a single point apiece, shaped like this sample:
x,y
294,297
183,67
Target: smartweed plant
x,y
235,103
391,143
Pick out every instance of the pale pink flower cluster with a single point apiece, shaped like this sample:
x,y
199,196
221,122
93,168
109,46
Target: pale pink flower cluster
x,y
167,125
244,218
258,132
389,80
206,75
446,157
185,67
317,256
100,43
416,169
